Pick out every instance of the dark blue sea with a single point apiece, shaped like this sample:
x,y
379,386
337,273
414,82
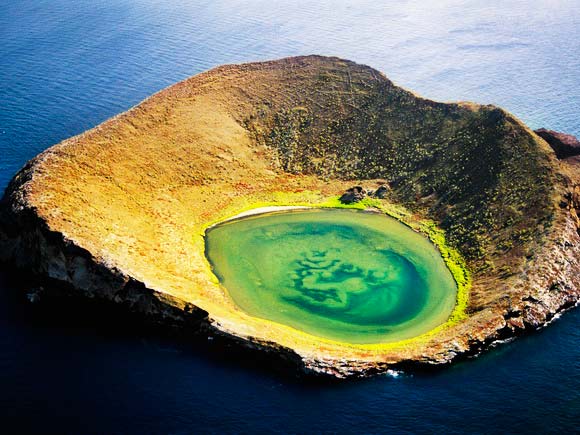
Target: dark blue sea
x,y
67,65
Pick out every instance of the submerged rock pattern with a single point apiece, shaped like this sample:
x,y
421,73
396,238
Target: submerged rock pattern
x,y
119,212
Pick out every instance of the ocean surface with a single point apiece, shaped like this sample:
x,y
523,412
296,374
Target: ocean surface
x,y
66,66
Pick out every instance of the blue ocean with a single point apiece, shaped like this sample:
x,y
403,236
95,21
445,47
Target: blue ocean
x,y
67,65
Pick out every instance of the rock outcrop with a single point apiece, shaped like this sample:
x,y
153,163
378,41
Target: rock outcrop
x,y
564,145
381,192
354,194
358,193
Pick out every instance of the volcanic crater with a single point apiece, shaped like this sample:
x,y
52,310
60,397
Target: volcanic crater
x,y
121,211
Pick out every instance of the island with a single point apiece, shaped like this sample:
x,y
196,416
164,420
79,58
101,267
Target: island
x,y
124,212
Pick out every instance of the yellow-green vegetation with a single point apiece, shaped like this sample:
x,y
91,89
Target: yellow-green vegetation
x,y
139,191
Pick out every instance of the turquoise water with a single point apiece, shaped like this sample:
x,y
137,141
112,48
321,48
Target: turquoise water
x,y
344,275
65,66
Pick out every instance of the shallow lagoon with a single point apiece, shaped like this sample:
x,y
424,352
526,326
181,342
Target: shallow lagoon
x,y
345,275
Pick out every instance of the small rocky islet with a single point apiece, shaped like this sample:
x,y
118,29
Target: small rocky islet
x,y
120,212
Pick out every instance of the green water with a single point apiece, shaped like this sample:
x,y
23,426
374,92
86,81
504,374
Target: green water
x,y
346,275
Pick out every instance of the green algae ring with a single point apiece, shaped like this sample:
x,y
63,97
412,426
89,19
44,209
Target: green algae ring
x,y
344,275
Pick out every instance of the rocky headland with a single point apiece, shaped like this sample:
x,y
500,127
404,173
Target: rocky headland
x,y
119,212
